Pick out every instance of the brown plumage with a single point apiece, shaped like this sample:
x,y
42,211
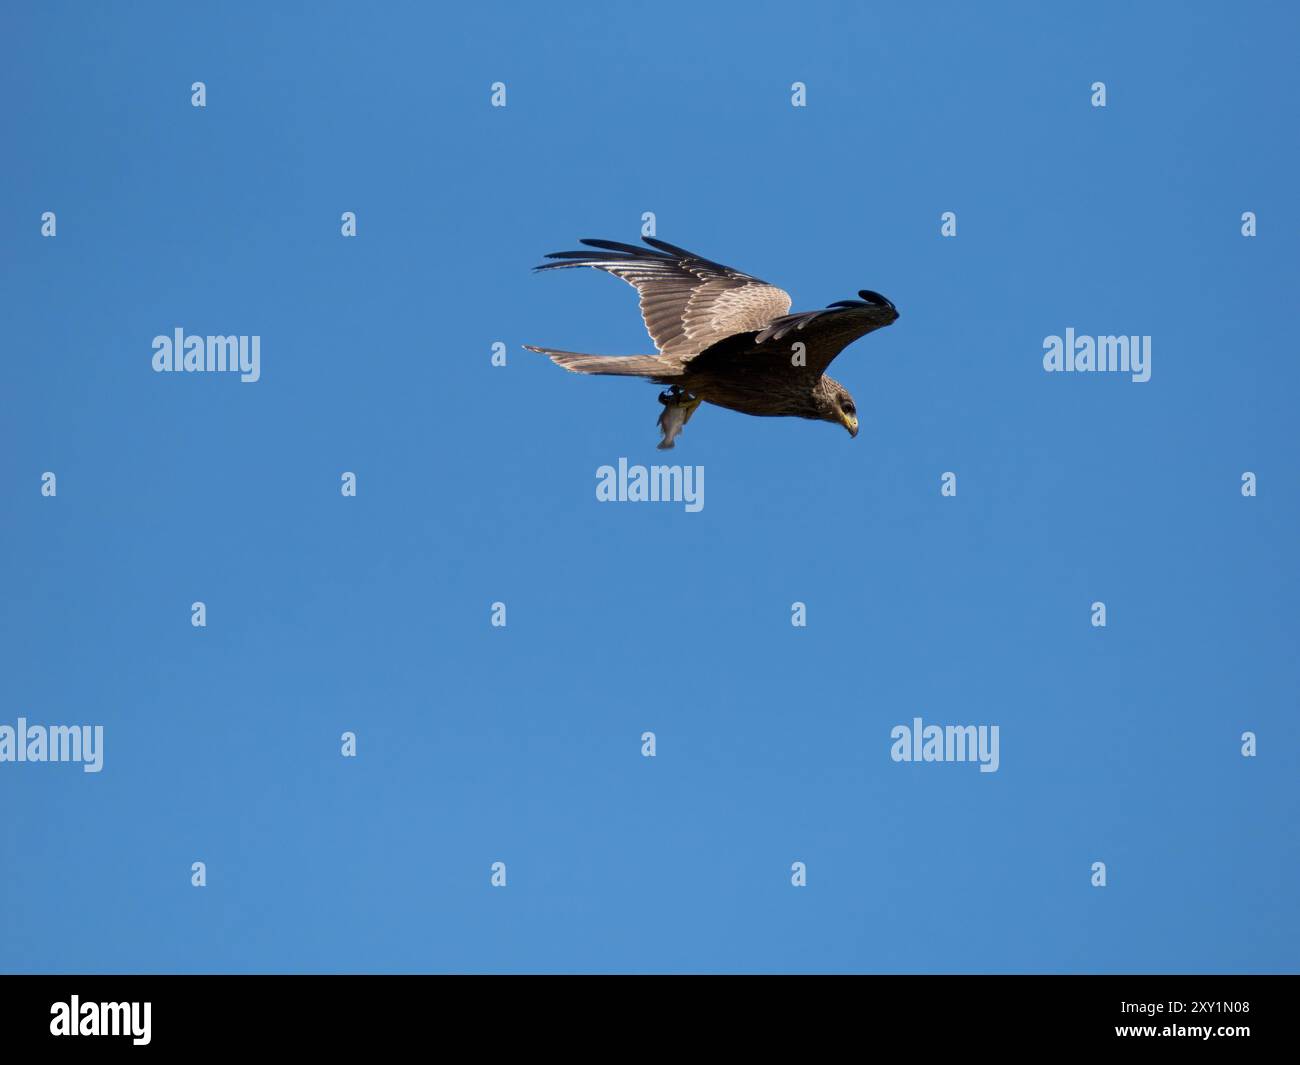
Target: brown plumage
x,y
725,337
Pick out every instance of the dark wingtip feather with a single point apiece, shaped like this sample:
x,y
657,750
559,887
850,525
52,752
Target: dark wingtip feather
x,y
583,258
612,245
672,249
579,255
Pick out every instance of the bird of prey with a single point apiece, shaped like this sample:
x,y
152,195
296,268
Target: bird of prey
x,y
725,337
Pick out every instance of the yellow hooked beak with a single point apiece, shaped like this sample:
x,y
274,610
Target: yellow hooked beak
x,y
850,422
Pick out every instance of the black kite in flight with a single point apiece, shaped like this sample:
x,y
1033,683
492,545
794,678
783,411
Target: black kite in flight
x,y
725,337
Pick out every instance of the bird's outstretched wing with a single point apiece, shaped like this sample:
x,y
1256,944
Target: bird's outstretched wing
x,y
689,303
824,333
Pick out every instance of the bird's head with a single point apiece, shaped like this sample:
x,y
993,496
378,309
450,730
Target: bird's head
x,y
835,404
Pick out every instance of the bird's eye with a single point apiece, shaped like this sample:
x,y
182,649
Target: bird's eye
x,y
849,408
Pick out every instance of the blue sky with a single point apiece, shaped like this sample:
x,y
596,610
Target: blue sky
x,y
476,484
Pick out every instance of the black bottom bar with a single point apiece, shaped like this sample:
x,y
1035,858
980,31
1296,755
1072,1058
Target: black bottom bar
x,y
1230,1014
